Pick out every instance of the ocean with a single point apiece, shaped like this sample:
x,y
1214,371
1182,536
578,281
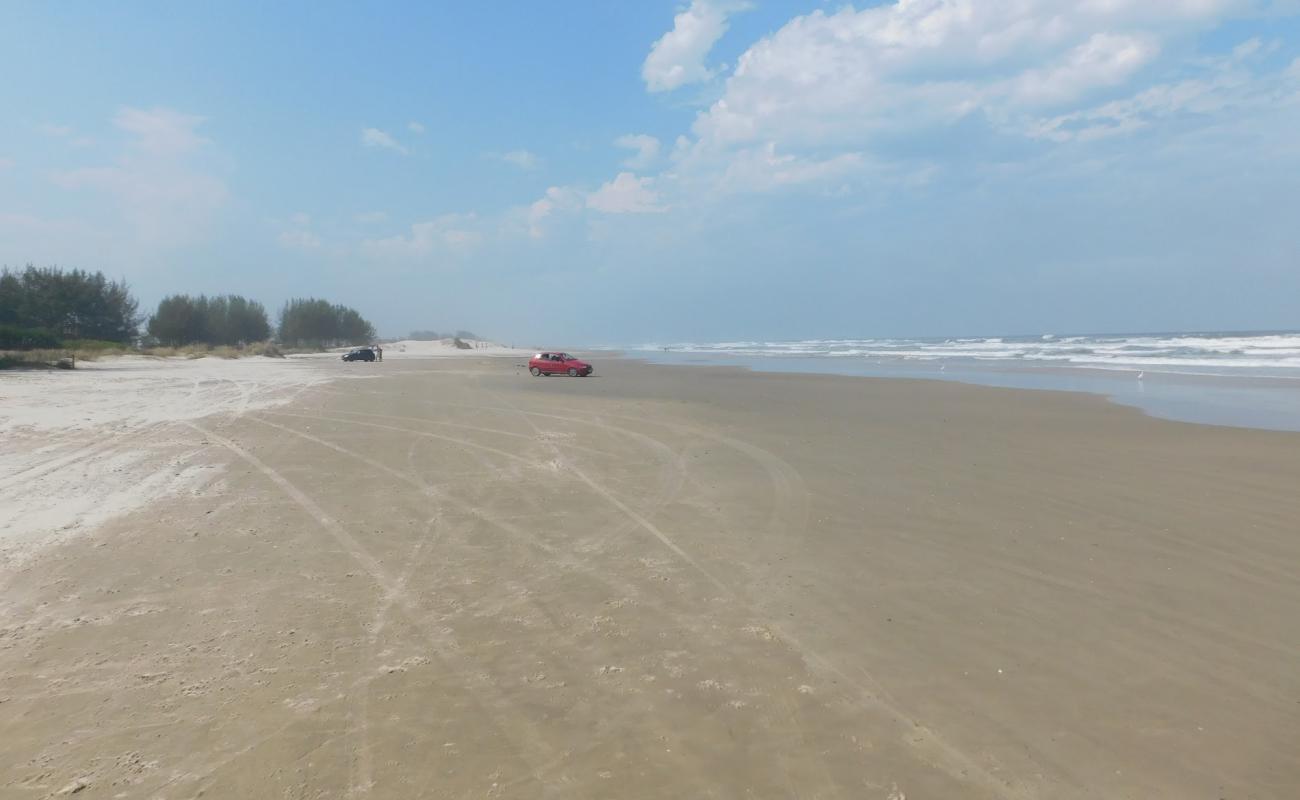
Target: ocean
x,y
1220,378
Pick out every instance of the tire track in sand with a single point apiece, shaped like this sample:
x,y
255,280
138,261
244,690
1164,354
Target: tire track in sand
x,y
937,751
611,582
673,463
364,763
426,434
790,506
424,488
559,557
915,736
531,748
461,426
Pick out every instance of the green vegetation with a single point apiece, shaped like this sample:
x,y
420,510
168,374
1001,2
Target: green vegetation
x,y
53,318
13,337
226,320
319,323
41,306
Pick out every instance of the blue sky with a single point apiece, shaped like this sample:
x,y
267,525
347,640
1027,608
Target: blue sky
x,y
614,172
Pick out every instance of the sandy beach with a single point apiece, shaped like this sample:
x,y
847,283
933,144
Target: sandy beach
x,y
443,578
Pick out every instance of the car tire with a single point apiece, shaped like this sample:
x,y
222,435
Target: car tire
x,y
536,372
573,372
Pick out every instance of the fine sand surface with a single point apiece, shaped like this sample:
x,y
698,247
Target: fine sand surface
x,y
443,578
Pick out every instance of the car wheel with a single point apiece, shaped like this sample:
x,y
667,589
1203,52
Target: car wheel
x,y
573,373
536,372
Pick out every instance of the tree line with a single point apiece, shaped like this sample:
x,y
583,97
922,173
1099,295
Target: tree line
x,y
319,323
224,320
40,307
49,307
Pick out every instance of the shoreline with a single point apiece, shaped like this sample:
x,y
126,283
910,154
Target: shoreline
x,y
1247,401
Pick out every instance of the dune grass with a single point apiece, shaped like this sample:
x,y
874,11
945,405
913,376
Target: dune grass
x,y
64,356
269,349
90,350
37,359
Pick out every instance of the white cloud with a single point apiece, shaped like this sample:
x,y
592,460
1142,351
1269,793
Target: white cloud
x,y
1227,85
1125,116
1248,49
556,199
373,137
626,194
840,78
819,103
450,233
520,158
297,239
860,97
677,58
299,235
761,169
646,147
415,127
1104,60
157,183
161,131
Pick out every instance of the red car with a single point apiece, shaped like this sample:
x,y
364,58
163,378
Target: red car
x,y
558,364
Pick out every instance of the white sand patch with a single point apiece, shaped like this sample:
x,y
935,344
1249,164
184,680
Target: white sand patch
x,y
82,447
131,392
76,500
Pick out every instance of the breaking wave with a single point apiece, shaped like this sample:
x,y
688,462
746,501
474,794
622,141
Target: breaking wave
x,y
1227,353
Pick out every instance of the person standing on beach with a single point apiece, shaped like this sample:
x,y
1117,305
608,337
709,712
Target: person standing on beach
x,y
379,351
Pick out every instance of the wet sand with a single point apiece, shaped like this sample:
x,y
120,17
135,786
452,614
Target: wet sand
x,y
455,580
